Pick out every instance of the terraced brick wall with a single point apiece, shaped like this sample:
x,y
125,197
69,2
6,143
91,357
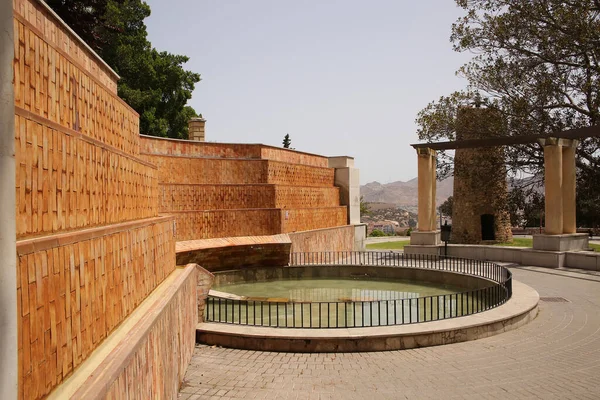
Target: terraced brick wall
x,y
181,197
91,246
58,79
157,146
74,289
206,224
67,181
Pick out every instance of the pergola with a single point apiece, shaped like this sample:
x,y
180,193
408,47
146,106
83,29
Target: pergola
x,y
559,178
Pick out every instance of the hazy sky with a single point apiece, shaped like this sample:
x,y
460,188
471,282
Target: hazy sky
x,y
342,77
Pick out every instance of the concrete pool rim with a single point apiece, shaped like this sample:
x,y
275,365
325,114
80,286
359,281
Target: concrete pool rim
x,y
520,309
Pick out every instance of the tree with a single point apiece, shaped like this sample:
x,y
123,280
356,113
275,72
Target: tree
x,y
287,142
378,233
364,207
153,83
446,207
538,63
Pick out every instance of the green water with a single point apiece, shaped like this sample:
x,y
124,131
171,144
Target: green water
x,y
326,303
338,289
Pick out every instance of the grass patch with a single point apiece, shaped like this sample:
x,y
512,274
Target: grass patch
x,y
517,242
524,242
388,245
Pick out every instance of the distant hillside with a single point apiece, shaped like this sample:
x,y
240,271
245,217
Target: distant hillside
x,y
403,194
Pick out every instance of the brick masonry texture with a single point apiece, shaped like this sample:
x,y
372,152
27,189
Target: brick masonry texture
x,y
65,182
196,170
255,222
157,367
224,223
56,78
479,179
72,294
149,145
305,219
175,197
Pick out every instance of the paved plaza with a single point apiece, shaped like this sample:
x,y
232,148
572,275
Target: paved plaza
x,y
557,356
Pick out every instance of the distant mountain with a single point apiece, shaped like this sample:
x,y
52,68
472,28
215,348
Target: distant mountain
x,y
403,194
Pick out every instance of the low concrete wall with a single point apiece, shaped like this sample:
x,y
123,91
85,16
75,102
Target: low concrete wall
x,y
518,311
524,256
232,253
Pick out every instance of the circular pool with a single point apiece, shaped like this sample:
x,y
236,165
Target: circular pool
x,y
398,291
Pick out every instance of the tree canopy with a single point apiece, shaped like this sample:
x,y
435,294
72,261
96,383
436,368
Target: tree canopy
x,y
538,63
153,82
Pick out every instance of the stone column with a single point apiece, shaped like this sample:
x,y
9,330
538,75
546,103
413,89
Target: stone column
x,y
8,251
196,129
426,238
569,186
560,181
433,219
553,185
426,199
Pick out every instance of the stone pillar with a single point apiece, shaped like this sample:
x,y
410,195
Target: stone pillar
x,y
553,186
560,184
426,199
196,129
347,179
569,187
426,238
8,250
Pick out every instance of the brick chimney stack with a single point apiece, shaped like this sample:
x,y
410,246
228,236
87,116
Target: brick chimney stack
x,y
196,128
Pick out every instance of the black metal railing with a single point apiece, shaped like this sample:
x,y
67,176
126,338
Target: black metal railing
x,y
362,313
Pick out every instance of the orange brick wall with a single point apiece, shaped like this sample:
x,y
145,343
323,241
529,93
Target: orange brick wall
x,y
74,289
174,147
193,170
306,197
58,79
208,170
215,197
65,182
157,146
293,157
224,223
296,220
174,197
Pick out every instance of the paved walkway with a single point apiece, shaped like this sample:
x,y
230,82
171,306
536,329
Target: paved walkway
x,y
557,356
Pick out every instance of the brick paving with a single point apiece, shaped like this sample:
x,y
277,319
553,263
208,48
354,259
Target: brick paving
x,y
557,356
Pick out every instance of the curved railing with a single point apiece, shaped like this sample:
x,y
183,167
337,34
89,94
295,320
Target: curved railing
x,y
368,313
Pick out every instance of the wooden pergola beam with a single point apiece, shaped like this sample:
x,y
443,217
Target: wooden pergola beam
x,y
573,134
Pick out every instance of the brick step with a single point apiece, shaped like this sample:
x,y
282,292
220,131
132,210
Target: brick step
x,y
76,288
67,181
178,197
151,145
208,224
193,170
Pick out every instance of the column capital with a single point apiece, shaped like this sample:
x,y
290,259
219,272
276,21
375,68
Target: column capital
x,y
425,151
552,141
